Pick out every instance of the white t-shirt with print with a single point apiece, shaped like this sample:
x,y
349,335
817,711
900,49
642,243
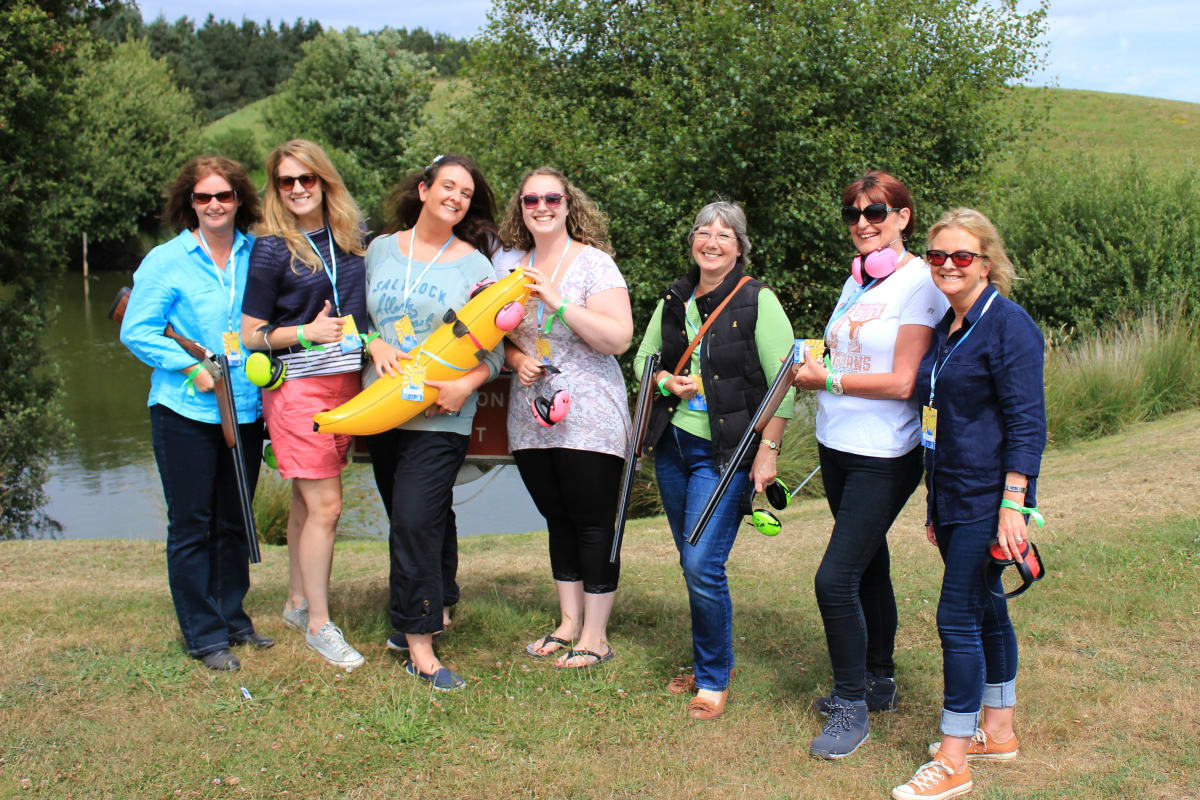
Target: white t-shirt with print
x,y
863,339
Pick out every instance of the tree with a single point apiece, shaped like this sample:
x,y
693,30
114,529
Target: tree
x,y
133,129
360,97
656,107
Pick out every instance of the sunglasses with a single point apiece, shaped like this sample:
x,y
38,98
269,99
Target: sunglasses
x,y
960,258
204,198
285,182
875,213
553,199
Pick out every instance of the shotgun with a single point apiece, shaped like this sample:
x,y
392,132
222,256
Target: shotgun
x,y
766,410
641,421
225,407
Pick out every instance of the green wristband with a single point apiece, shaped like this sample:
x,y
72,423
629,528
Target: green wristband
x,y
829,383
305,343
369,337
190,383
1031,511
556,315
662,387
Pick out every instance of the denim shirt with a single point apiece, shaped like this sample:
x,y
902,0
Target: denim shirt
x,y
177,283
991,409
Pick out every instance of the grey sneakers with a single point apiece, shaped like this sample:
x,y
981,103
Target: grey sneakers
x,y
845,729
332,646
297,617
881,696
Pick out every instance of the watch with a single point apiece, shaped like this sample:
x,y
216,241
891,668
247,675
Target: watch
x,y
835,382
771,445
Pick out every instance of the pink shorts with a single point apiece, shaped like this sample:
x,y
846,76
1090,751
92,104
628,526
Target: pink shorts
x,y
300,451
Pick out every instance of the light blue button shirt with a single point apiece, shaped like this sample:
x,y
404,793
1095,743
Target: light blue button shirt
x,y
177,283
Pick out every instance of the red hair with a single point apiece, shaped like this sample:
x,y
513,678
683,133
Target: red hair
x,y
881,187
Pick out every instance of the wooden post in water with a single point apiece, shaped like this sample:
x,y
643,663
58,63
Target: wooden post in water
x,y
85,267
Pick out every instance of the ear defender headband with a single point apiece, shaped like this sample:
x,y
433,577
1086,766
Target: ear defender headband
x,y
549,410
876,265
1028,564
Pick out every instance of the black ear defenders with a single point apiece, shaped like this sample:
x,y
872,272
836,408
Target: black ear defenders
x,y
551,409
779,497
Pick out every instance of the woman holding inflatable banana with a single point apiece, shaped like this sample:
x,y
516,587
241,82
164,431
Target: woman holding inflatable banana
x,y
305,300
568,417
442,232
984,429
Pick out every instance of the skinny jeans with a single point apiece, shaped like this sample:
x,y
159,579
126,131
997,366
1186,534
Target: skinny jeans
x,y
853,581
208,558
576,491
979,646
687,475
415,472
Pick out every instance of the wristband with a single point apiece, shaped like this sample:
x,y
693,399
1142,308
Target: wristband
x,y
305,343
557,315
662,387
190,383
1032,512
829,383
369,337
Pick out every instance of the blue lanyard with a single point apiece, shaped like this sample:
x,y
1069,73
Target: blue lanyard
x,y
933,372
330,272
541,303
689,324
220,274
841,310
408,270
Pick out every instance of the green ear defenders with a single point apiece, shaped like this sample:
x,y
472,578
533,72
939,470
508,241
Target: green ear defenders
x,y
779,497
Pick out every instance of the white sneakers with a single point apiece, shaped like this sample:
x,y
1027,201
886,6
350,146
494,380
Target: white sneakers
x,y
332,646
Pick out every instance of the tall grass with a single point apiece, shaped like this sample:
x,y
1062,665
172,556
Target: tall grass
x,y
272,499
1137,369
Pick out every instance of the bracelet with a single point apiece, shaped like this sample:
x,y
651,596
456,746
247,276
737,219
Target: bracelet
x,y
662,387
1008,487
1032,512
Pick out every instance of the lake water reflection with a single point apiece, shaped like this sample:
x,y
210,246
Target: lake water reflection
x,y
104,483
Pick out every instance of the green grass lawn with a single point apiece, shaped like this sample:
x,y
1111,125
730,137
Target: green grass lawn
x,y
97,698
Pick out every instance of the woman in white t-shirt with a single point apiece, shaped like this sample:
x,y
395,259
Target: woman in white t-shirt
x,y
868,431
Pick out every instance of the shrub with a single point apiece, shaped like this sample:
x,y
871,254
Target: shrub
x,y
239,144
272,501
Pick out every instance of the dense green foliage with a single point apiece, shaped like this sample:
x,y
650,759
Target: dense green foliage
x,y
655,107
359,96
444,52
132,129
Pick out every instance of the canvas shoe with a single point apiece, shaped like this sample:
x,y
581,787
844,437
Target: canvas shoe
x,y
881,696
935,780
297,617
982,748
332,646
845,729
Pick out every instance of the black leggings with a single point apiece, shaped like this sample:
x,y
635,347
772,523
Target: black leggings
x,y
576,491
853,582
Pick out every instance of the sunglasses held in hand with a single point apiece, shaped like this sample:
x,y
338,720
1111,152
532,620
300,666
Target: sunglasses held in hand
x,y
875,213
960,258
285,182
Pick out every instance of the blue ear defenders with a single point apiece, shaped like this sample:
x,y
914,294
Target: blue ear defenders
x,y
552,409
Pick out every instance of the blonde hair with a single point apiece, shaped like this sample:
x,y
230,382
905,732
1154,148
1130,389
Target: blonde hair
x,y
1001,272
585,221
341,212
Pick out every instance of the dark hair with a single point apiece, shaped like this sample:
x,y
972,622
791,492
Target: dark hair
x,y
178,212
881,187
477,228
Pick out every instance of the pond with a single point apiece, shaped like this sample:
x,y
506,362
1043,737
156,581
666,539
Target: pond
x,y
104,483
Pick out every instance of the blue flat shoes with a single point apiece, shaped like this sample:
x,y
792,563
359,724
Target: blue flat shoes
x,y
444,680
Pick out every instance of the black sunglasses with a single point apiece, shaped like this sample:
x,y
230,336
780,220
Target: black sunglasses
x,y
875,213
204,198
961,258
553,199
285,182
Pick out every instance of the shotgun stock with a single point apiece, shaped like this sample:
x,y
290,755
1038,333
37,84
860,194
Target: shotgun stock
x,y
766,410
225,408
637,440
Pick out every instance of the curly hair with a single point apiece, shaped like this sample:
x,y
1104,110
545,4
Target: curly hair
x,y
1001,272
178,211
882,187
477,227
341,212
585,221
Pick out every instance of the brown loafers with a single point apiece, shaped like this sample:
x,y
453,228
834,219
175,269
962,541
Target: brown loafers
x,y
682,684
699,708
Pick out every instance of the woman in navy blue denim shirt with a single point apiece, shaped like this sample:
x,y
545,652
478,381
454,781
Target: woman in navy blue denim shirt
x,y
984,427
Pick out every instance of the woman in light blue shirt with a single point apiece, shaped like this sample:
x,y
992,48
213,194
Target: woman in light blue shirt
x,y
195,283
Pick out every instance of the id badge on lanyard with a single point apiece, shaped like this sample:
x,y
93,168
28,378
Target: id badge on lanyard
x,y
929,427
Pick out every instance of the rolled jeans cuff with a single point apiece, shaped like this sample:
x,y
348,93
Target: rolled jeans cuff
x,y
959,723
1000,695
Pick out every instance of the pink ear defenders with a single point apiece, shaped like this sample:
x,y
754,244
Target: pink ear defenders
x,y
876,265
508,317
552,409
1028,564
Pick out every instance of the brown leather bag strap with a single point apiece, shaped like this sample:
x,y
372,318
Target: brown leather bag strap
x,y
708,323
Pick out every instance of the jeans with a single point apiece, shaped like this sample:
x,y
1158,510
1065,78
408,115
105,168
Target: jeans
x,y
208,565
414,472
686,477
853,581
576,491
979,647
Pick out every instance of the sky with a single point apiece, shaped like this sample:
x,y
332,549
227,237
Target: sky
x,y
1144,48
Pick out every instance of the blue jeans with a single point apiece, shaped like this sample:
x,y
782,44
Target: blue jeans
x,y
208,565
686,477
979,647
853,581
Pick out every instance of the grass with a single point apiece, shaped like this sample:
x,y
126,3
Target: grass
x,y
98,700
249,117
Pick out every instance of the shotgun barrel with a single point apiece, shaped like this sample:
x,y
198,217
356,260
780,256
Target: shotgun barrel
x,y
637,440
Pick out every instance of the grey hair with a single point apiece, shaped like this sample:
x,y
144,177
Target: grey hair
x,y
731,215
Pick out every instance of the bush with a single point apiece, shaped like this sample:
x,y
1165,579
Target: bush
x,y
239,144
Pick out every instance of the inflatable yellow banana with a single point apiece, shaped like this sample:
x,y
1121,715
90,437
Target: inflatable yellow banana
x,y
452,349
